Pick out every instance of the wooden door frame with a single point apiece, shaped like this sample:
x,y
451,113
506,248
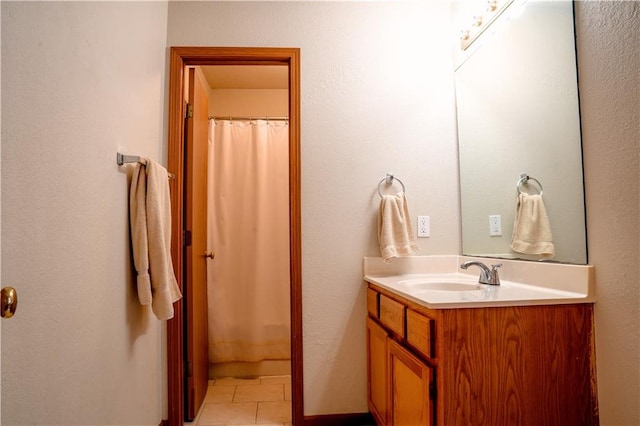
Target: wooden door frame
x,y
181,57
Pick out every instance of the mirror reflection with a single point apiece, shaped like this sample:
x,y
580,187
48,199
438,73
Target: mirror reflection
x,y
519,133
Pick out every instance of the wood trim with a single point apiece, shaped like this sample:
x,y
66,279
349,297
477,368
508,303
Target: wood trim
x,y
179,58
175,164
295,191
350,419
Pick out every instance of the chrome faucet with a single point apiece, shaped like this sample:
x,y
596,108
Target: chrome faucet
x,y
487,276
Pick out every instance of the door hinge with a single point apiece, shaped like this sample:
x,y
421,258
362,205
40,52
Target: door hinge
x,y
189,111
189,368
186,238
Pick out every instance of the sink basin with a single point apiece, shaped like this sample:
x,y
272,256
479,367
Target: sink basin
x,y
419,284
438,282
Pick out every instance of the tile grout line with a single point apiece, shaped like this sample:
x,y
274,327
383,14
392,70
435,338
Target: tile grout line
x,y
235,393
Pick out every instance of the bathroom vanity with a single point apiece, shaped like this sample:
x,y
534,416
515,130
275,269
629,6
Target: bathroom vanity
x,y
476,356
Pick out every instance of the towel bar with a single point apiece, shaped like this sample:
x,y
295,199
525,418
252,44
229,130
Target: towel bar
x,y
524,179
122,159
389,180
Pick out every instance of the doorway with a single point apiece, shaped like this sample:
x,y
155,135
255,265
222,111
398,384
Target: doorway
x,y
181,57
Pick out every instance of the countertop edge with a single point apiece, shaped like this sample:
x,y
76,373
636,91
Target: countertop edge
x,y
479,304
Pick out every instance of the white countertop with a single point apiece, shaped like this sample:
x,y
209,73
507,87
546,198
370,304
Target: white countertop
x,y
537,284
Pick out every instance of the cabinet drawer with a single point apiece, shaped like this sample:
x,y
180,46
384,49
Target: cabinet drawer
x,y
419,332
372,302
392,315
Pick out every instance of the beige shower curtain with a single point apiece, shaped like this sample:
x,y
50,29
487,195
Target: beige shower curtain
x,y
248,229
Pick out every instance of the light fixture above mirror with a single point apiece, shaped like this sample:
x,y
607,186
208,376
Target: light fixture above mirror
x,y
480,21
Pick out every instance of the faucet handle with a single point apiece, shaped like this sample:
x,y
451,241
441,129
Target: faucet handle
x,y
494,278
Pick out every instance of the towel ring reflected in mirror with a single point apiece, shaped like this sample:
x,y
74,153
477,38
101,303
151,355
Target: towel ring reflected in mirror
x,y
389,181
524,179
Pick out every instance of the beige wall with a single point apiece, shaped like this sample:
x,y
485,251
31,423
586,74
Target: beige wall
x,y
249,102
608,36
377,97
80,81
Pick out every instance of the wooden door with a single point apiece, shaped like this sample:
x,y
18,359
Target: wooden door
x,y
196,321
176,339
377,371
409,400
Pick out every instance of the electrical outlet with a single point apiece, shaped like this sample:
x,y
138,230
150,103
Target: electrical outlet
x,y
495,225
424,226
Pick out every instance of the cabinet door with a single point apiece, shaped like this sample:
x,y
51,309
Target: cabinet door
x,y
408,400
377,371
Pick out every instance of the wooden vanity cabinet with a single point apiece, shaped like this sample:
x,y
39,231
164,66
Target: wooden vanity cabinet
x,y
409,383
514,365
377,371
398,382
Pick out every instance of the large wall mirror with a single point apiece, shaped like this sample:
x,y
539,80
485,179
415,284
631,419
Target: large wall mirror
x,y
518,113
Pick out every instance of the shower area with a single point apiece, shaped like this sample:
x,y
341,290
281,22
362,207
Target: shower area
x,y
248,270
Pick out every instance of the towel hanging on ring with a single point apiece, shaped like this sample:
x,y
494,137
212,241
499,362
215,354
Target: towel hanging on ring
x,y
395,233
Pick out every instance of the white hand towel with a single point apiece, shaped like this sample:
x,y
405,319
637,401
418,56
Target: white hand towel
x,y
150,207
395,233
531,229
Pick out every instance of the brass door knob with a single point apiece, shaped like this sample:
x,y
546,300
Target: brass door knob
x,y
210,255
8,302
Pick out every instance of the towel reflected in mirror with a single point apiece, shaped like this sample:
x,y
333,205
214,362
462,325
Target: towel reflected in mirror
x,y
532,229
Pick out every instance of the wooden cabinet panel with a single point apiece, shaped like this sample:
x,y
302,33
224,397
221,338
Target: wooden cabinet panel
x,y
503,365
409,401
372,302
392,314
419,333
377,371
538,361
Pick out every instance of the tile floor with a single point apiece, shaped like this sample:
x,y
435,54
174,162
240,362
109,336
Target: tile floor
x,y
242,402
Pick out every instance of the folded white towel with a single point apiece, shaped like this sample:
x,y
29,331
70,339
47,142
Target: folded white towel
x,y
395,233
531,229
150,209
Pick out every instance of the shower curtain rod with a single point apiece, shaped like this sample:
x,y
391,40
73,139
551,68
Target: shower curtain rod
x,y
232,118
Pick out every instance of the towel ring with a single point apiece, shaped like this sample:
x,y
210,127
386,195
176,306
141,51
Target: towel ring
x,y
389,181
524,179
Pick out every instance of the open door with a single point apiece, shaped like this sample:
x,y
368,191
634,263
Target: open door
x,y
176,337
195,239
